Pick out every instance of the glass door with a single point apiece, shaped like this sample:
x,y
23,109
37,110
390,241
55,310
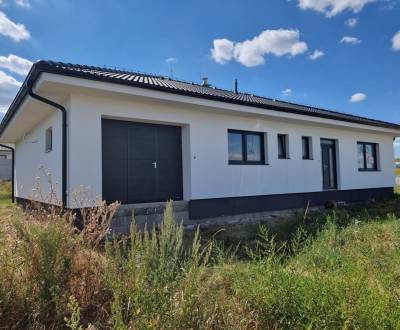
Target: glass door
x,y
328,160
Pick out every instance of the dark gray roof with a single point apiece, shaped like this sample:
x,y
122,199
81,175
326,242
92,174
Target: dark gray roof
x,y
166,84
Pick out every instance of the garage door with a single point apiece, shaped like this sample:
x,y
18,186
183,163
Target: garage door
x,y
141,162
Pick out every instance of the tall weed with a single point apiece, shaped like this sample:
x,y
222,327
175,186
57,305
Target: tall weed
x,y
147,269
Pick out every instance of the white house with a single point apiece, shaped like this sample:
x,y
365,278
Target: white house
x,y
139,138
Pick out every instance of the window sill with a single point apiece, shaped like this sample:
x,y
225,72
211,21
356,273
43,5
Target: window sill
x,y
283,158
308,158
368,170
247,163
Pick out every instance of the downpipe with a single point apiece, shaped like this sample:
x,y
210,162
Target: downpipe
x,y
64,139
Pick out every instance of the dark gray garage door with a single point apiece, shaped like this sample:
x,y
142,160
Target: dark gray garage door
x,y
141,162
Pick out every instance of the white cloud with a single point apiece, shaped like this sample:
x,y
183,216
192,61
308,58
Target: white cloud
x,y
171,60
388,4
350,40
8,88
15,64
252,52
15,31
396,142
316,55
222,51
23,3
351,22
287,92
333,7
396,41
358,97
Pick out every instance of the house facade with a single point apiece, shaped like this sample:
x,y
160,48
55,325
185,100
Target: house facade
x,y
139,138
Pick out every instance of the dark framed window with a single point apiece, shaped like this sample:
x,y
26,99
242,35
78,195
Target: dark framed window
x,y
306,147
49,139
246,147
283,146
367,156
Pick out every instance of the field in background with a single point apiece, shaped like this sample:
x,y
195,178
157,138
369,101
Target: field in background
x,y
397,170
320,270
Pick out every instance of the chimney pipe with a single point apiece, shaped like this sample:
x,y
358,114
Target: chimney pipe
x,y
205,82
236,86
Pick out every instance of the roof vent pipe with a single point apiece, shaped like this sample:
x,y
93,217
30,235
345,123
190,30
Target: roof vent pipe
x,y
236,86
205,82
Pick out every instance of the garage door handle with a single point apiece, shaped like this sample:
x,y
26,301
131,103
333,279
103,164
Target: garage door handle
x,y
154,164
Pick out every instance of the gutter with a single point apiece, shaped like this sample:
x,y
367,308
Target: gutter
x,y
64,138
12,168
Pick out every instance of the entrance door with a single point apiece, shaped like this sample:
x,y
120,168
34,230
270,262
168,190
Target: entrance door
x,y
141,162
328,158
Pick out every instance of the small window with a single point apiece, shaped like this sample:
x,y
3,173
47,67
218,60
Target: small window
x,y
306,146
49,139
283,146
245,147
367,156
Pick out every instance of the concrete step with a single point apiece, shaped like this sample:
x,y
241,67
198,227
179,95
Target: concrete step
x,y
150,208
149,214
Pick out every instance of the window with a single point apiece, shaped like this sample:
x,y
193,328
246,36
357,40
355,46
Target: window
x,y
307,147
245,147
49,139
283,146
366,153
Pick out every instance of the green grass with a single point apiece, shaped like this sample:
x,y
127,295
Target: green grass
x,y
397,171
338,269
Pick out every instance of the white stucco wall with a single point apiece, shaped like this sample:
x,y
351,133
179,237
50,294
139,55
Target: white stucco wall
x,y
206,172
32,162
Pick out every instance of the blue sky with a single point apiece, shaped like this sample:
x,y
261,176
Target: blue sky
x,y
341,55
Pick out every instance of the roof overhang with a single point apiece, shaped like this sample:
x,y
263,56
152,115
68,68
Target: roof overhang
x,y
27,113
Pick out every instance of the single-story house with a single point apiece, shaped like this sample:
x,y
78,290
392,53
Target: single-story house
x,y
140,138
